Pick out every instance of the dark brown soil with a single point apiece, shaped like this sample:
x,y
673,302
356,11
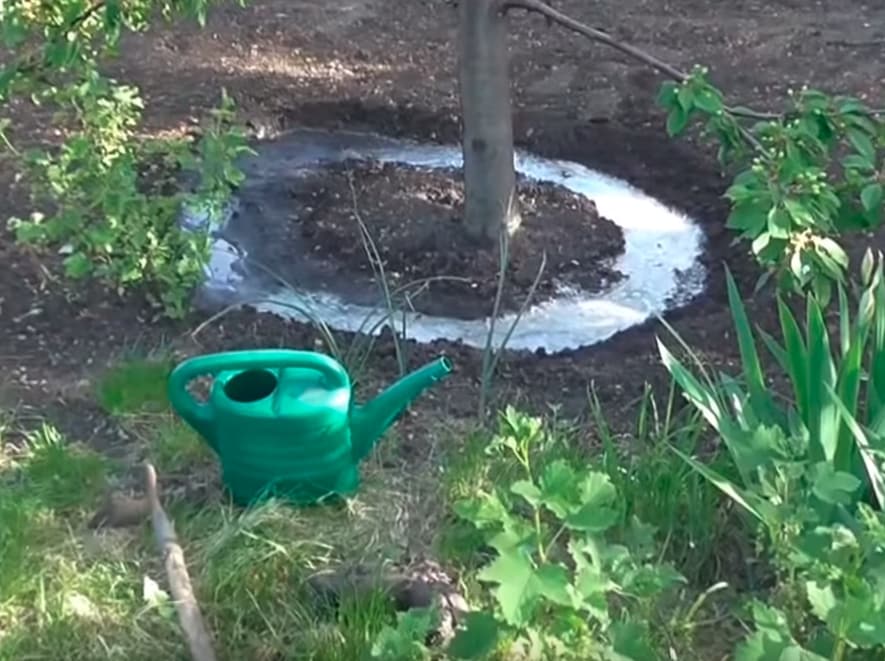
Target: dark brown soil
x,y
414,218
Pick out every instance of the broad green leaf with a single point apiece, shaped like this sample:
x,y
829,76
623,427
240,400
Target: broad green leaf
x,y
668,94
631,642
528,491
476,639
748,217
779,226
517,586
799,213
862,143
559,488
821,598
77,265
592,519
763,647
772,641
686,98
833,486
871,197
860,163
596,513
482,511
834,251
554,584
709,100
677,120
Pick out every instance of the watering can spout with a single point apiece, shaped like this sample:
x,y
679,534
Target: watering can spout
x,y
371,420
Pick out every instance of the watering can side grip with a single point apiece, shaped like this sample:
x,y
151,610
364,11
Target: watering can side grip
x,y
201,416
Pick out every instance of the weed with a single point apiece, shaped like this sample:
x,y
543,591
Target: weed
x,y
655,485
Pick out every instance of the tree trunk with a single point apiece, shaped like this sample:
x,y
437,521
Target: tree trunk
x,y
484,73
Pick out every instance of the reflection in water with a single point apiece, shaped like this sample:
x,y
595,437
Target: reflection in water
x,y
660,260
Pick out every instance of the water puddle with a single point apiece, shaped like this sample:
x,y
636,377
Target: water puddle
x,y
660,262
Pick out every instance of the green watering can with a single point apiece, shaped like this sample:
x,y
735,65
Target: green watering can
x,y
283,422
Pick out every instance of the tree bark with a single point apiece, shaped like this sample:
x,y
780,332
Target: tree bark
x,y
487,142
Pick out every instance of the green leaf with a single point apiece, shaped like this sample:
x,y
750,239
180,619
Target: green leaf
x,y
559,488
668,94
779,223
554,584
749,217
478,637
677,120
772,641
760,398
482,511
708,100
871,197
799,213
595,514
518,589
528,491
855,162
686,97
862,143
630,642
821,599
77,265
592,519
832,486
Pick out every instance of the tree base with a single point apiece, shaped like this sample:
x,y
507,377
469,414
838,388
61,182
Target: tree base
x,y
414,216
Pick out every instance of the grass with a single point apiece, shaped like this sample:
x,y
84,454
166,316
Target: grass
x,y
67,591
660,488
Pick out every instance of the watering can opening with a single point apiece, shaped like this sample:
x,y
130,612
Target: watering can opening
x,y
250,386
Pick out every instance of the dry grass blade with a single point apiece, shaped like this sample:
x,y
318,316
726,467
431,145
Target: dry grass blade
x,y
198,639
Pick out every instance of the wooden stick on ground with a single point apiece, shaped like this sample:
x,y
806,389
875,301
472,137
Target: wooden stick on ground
x,y
189,615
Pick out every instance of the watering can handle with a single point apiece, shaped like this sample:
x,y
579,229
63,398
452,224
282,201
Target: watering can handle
x,y
201,415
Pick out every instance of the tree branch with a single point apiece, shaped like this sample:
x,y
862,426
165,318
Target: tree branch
x,y
565,21
199,642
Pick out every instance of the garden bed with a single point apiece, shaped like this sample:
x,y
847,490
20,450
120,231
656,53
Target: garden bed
x,y
383,67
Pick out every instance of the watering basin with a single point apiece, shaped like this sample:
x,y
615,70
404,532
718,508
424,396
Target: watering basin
x,y
660,263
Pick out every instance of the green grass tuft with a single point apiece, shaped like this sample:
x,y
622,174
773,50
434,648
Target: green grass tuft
x,y
135,386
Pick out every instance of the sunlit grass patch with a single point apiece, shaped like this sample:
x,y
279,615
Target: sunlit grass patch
x,y
136,385
61,595
252,566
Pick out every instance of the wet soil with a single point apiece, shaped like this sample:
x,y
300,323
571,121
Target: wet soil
x,y
413,218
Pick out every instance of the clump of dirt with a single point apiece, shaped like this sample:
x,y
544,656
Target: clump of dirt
x,y
415,219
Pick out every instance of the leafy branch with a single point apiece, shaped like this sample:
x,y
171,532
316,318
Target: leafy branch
x,y
809,174
114,198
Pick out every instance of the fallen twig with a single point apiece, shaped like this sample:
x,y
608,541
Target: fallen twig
x,y
189,615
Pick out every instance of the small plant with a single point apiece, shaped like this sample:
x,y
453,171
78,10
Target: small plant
x,y
406,640
104,198
805,179
655,485
809,469
835,415
564,585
